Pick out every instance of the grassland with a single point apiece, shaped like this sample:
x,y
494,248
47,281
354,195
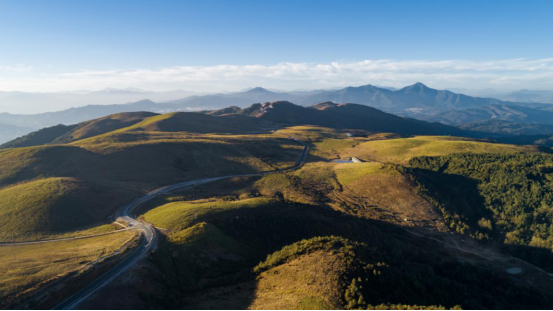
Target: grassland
x,y
24,268
103,125
181,215
50,207
401,150
49,190
310,133
309,282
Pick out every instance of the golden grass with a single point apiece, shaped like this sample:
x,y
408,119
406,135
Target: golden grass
x,y
24,268
180,215
350,172
310,132
47,208
403,149
311,281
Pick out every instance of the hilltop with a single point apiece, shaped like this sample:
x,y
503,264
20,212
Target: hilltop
x,y
68,133
237,120
346,116
326,235
416,101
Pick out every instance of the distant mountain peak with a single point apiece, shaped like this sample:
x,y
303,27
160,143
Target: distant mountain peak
x,y
258,89
418,87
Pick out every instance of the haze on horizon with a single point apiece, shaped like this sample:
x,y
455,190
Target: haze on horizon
x,y
216,46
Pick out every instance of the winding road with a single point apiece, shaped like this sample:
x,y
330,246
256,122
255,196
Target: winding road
x,y
125,213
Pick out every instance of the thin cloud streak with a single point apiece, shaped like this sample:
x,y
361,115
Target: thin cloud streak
x,y
502,74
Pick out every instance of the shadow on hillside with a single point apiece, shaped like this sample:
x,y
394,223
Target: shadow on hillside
x,y
418,270
458,195
146,165
540,257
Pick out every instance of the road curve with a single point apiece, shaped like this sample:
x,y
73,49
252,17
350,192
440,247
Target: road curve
x,y
125,213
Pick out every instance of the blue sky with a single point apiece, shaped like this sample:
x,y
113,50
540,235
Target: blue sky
x,y
70,44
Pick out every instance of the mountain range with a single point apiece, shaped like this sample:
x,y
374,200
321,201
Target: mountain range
x,y
237,120
415,101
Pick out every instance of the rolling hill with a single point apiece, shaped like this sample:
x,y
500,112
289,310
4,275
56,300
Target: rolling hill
x,y
418,101
68,133
328,235
237,120
52,206
345,116
77,115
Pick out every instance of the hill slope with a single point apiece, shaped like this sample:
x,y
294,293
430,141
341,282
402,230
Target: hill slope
x,y
345,116
68,133
50,206
77,115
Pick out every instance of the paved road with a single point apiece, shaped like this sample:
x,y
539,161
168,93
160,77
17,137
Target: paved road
x,y
125,213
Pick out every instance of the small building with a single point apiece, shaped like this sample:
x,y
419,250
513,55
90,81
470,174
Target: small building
x,y
356,160
349,134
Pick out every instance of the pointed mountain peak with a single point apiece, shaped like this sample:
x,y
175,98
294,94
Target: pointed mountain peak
x,y
416,88
419,85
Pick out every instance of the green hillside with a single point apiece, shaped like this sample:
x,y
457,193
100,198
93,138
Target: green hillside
x,y
196,123
60,134
325,236
54,206
306,256
402,149
506,197
103,125
26,268
40,137
344,116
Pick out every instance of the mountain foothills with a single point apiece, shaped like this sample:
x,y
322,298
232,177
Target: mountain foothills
x,y
414,101
385,212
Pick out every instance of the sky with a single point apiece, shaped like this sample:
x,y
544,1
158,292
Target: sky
x,y
212,46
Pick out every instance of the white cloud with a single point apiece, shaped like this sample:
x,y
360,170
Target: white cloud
x,y
20,68
503,74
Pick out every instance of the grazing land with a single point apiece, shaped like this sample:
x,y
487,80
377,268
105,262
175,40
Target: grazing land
x,y
25,268
327,235
401,150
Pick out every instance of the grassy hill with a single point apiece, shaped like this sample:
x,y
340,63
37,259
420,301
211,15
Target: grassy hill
x,y
40,137
197,123
53,206
307,256
402,149
25,268
103,125
345,116
328,235
60,134
125,162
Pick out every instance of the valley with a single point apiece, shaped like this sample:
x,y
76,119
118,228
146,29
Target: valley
x,y
247,208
